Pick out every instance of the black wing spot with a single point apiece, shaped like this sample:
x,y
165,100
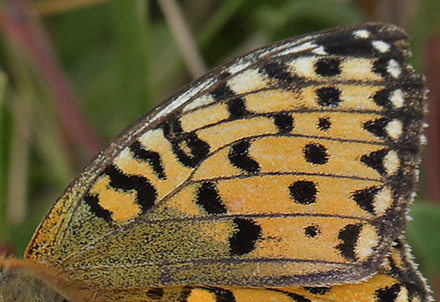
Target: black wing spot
x,y
277,71
388,294
222,92
284,122
382,98
155,293
377,127
318,290
328,67
237,108
243,240
328,96
221,294
324,123
365,198
312,231
303,192
209,198
380,66
315,153
185,293
146,193
151,157
349,237
375,160
239,158
297,298
93,202
345,44
188,148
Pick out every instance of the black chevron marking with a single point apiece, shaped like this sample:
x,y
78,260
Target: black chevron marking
x,y
238,156
151,157
146,193
188,148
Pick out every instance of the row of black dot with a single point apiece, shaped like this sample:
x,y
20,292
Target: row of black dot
x,y
314,153
239,157
285,122
301,191
348,236
328,96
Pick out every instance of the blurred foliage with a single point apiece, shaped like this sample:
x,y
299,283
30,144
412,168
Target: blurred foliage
x,y
423,231
120,59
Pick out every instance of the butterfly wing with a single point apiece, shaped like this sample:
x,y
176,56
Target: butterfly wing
x,y
291,165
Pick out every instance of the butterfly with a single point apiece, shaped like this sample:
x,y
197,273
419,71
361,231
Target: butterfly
x,y
283,175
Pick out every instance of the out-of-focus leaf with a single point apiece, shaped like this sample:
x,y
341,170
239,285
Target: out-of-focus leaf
x,y
424,234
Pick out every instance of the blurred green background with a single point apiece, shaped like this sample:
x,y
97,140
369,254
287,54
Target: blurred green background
x,y
75,73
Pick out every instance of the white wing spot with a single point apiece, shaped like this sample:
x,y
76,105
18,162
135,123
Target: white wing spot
x,y
362,33
367,241
423,140
247,81
383,201
393,68
205,99
319,51
394,129
123,158
391,162
403,294
397,98
303,66
381,46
